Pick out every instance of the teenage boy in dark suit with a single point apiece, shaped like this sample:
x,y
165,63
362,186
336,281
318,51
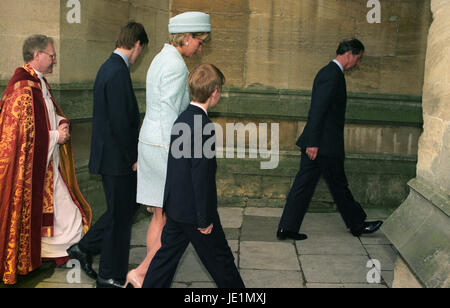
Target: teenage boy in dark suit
x,y
322,147
190,196
115,130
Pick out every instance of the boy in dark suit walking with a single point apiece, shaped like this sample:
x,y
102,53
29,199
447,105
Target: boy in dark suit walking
x,y
322,146
115,130
190,196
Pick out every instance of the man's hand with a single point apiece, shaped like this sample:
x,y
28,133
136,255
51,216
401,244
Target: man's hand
x,y
312,153
134,167
64,134
206,231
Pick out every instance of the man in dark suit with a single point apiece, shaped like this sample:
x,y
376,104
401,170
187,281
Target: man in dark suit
x,y
190,196
115,129
322,147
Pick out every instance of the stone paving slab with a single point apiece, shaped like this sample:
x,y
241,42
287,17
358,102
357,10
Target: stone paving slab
x,y
203,285
321,243
377,238
388,277
231,217
344,285
272,278
334,269
66,274
139,232
59,285
330,258
385,254
267,212
191,269
259,228
268,256
137,255
331,223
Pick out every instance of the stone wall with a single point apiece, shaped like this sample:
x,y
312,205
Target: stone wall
x,y
270,52
264,43
81,47
283,43
85,46
16,25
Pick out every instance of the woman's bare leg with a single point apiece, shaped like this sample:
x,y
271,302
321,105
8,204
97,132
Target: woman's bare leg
x,y
153,241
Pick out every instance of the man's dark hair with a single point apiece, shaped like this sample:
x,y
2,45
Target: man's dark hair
x,y
352,44
130,34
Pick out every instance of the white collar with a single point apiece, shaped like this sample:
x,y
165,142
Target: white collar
x,y
40,75
200,106
339,64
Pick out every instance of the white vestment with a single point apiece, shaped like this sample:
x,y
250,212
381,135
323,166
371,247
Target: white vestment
x,y
68,226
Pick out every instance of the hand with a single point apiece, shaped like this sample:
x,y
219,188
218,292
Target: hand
x,y
312,153
134,167
64,134
64,126
206,231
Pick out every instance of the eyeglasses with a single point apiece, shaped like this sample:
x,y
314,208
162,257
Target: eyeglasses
x,y
51,56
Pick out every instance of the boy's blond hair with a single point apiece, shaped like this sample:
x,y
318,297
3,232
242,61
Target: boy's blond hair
x,y
203,81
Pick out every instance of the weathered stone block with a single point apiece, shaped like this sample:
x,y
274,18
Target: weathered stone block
x,y
420,230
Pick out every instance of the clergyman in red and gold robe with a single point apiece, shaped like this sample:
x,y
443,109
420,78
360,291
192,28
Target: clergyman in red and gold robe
x,y
42,211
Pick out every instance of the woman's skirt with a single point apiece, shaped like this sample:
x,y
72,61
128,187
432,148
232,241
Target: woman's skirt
x,y
151,174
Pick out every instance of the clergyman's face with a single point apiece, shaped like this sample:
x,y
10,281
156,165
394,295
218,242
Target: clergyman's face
x,y
46,59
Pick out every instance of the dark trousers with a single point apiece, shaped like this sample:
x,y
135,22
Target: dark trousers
x,y
212,249
111,234
299,197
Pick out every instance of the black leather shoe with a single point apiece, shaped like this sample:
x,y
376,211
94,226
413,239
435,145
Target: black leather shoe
x,y
84,258
284,234
367,228
103,283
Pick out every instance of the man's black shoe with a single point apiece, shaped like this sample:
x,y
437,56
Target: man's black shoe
x,y
103,283
84,258
284,234
367,228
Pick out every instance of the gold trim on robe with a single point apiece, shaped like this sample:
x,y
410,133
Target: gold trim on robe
x,y
27,203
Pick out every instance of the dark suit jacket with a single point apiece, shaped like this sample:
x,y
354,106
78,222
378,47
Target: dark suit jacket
x,y
115,124
326,118
190,194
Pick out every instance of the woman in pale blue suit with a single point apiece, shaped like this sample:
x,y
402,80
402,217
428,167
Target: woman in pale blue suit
x,y
167,97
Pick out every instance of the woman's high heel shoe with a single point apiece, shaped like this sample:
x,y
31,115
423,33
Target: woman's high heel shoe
x,y
132,279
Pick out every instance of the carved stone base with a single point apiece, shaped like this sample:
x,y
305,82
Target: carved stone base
x,y
420,231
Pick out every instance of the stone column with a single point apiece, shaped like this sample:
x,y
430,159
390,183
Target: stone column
x,y
420,228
